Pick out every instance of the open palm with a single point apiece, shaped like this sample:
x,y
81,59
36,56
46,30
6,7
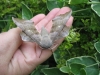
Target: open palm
x,y
21,58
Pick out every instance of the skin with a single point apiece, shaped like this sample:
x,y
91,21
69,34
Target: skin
x,y
21,58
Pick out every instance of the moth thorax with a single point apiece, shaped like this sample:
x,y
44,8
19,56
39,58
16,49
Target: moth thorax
x,y
46,42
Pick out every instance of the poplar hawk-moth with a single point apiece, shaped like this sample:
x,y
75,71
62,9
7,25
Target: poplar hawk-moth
x,y
44,39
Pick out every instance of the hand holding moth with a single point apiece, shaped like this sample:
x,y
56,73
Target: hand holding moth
x,y
20,58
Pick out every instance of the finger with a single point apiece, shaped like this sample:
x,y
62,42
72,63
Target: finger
x,y
69,22
62,11
9,43
37,18
47,18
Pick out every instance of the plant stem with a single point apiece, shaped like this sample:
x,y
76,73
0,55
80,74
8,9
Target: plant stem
x,y
93,3
83,16
81,10
5,20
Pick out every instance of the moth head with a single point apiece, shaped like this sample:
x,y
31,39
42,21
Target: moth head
x,y
46,41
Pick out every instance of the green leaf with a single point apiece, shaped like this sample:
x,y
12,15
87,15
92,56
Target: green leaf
x,y
60,3
56,56
97,46
8,10
2,25
77,69
26,12
52,71
8,23
65,69
51,4
77,1
94,0
84,60
97,56
90,65
96,6
38,70
82,72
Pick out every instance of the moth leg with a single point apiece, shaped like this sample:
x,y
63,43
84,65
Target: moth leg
x,y
51,50
53,47
38,50
40,53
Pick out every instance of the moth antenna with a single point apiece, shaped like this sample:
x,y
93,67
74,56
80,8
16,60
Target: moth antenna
x,y
52,51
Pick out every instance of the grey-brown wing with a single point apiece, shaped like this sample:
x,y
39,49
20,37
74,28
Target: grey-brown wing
x,y
29,32
59,28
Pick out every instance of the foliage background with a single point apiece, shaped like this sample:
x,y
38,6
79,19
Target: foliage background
x,y
82,44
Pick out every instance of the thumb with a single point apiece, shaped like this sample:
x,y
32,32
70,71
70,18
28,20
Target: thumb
x,y
9,43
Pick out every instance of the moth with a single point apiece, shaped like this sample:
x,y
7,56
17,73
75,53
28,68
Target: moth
x,y
44,38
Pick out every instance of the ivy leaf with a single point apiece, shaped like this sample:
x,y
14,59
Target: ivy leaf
x,y
97,46
77,69
65,69
96,7
52,71
38,70
87,63
97,56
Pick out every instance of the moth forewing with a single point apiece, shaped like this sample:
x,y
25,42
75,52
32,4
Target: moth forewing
x,y
64,32
59,22
29,32
59,28
25,37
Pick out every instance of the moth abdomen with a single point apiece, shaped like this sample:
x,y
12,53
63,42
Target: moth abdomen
x,y
46,42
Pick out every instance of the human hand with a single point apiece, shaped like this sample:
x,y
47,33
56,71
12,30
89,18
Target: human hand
x,y
21,58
